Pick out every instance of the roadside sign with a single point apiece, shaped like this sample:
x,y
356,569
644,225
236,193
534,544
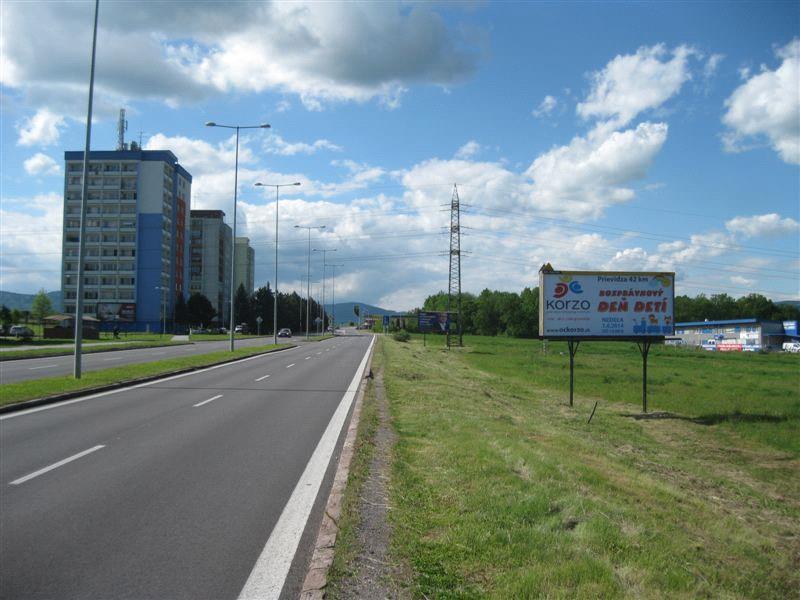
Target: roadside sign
x,y
438,322
259,320
385,322
605,305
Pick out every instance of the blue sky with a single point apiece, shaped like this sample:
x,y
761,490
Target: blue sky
x,y
641,136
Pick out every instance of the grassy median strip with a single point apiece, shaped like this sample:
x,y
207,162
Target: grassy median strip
x,y
501,490
87,349
11,393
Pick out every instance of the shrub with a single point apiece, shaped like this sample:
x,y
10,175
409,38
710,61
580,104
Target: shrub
x,y
401,336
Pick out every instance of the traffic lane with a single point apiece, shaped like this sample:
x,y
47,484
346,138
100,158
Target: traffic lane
x,y
12,371
246,448
179,511
287,366
75,425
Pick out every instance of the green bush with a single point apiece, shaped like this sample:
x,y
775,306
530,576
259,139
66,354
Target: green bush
x,y
401,336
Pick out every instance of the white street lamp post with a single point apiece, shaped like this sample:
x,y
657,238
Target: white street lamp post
x,y
324,251
76,372
275,303
308,273
235,190
333,295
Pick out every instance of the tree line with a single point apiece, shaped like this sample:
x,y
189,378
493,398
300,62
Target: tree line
x,y
517,314
198,311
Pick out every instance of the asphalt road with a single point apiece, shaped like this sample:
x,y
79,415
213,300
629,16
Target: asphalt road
x,y
36,368
172,489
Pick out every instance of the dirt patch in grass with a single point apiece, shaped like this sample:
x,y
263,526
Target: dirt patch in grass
x,y
371,572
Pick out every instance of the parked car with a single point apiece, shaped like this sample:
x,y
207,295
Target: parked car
x,y
199,331
243,328
20,331
285,332
791,347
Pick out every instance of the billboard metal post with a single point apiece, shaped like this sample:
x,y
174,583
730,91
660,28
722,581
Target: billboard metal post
x,y
573,348
644,348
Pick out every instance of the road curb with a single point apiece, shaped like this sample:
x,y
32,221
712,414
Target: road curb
x,y
324,548
120,384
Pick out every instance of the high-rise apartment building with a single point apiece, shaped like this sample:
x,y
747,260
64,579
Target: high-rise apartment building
x,y
136,235
211,259
244,274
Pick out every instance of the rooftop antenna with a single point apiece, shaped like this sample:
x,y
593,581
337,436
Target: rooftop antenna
x,y
122,126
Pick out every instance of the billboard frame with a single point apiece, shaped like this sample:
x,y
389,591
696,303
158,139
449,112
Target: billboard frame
x,y
643,342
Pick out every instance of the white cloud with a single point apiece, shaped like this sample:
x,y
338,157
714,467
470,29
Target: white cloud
x,y
42,129
30,243
739,280
200,157
767,106
712,64
41,164
592,172
275,144
319,52
468,150
546,106
632,83
769,225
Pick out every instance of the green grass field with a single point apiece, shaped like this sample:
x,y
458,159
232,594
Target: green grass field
x,y
500,489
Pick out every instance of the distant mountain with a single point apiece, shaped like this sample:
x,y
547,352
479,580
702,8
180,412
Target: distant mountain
x,y
344,312
24,301
792,303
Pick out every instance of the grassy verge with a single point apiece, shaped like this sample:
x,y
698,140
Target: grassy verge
x,y
347,546
501,490
11,393
42,352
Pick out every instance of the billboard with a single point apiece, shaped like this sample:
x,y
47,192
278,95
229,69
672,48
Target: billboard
x,y
117,312
601,304
436,322
790,328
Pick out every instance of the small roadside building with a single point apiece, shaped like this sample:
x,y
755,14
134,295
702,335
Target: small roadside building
x,y
735,335
62,327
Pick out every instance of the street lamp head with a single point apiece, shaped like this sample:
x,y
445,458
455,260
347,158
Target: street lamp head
x,y
211,124
296,183
264,126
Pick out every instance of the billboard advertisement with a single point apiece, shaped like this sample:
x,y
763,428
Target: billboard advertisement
x,y
117,312
790,328
600,304
434,322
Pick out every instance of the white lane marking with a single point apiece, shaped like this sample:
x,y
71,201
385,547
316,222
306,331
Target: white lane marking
x,y
118,358
22,413
42,367
327,349
209,400
269,573
262,378
318,353
308,357
60,463
290,366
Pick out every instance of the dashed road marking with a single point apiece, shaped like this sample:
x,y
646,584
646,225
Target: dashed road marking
x,y
290,366
209,400
60,463
262,378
